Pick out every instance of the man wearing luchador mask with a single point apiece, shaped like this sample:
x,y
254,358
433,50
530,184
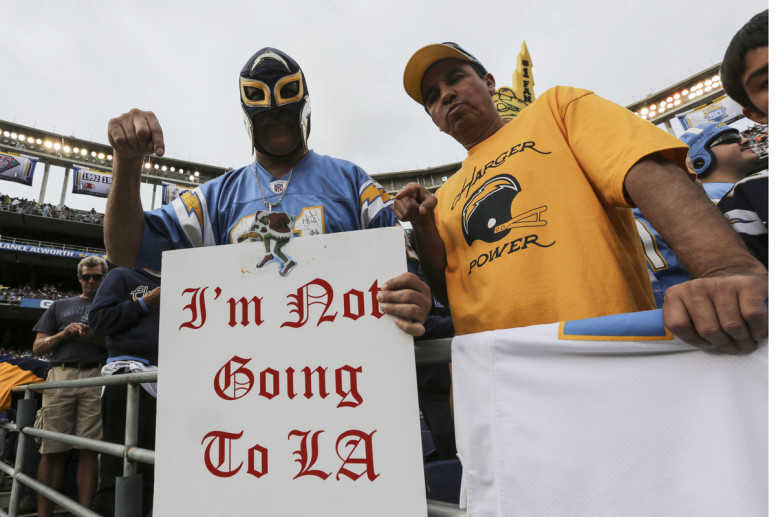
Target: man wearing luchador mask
x,y
316,193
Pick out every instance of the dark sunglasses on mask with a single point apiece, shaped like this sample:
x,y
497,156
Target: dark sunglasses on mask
x,y
727,138
96,278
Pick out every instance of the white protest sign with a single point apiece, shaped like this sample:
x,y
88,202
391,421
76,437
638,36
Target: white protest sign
x,y
286,395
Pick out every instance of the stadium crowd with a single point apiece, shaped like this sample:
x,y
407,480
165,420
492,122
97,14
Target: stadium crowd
x,y
15,354
29,207
13,295
758,136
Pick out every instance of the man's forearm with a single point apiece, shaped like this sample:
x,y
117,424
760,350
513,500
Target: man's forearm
x,y
433,261
45,344
695,229
123,224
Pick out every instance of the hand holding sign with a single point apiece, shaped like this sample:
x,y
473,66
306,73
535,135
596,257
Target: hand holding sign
x,y
407,298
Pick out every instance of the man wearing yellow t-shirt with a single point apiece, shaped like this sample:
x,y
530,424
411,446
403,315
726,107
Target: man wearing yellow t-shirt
x,y
536,226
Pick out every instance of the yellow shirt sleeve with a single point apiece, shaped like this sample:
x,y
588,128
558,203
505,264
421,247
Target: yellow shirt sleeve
x,y
607,140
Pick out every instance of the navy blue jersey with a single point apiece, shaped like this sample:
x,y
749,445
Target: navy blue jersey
x,y
119,312
746,207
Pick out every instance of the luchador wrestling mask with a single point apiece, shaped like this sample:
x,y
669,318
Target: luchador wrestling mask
x,y
271,80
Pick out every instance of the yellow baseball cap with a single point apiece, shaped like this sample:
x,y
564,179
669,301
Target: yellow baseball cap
x,y
422,60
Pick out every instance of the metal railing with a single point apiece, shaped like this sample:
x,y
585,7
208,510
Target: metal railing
x,y
128,488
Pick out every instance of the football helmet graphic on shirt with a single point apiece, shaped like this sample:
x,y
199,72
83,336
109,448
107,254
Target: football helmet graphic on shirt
x,y
487,214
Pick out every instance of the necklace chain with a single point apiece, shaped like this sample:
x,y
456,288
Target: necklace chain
x,y
261,192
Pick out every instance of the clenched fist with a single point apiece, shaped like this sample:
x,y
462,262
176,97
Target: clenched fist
x,y
135,134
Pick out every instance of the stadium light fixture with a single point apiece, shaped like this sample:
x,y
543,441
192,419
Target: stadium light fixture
x,y
147,165
191,178
101,156
110,157
21,137
76,150
196,173
94,154
48,145
673,100
57,146
83,152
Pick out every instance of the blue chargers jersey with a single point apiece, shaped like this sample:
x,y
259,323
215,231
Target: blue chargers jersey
x,y
320,195
664,268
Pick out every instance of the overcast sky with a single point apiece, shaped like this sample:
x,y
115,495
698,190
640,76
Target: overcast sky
x,y
71,66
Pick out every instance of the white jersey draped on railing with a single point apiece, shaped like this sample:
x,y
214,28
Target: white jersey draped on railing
x,y
609,416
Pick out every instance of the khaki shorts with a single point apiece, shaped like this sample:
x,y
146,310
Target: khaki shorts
x,y
71,410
